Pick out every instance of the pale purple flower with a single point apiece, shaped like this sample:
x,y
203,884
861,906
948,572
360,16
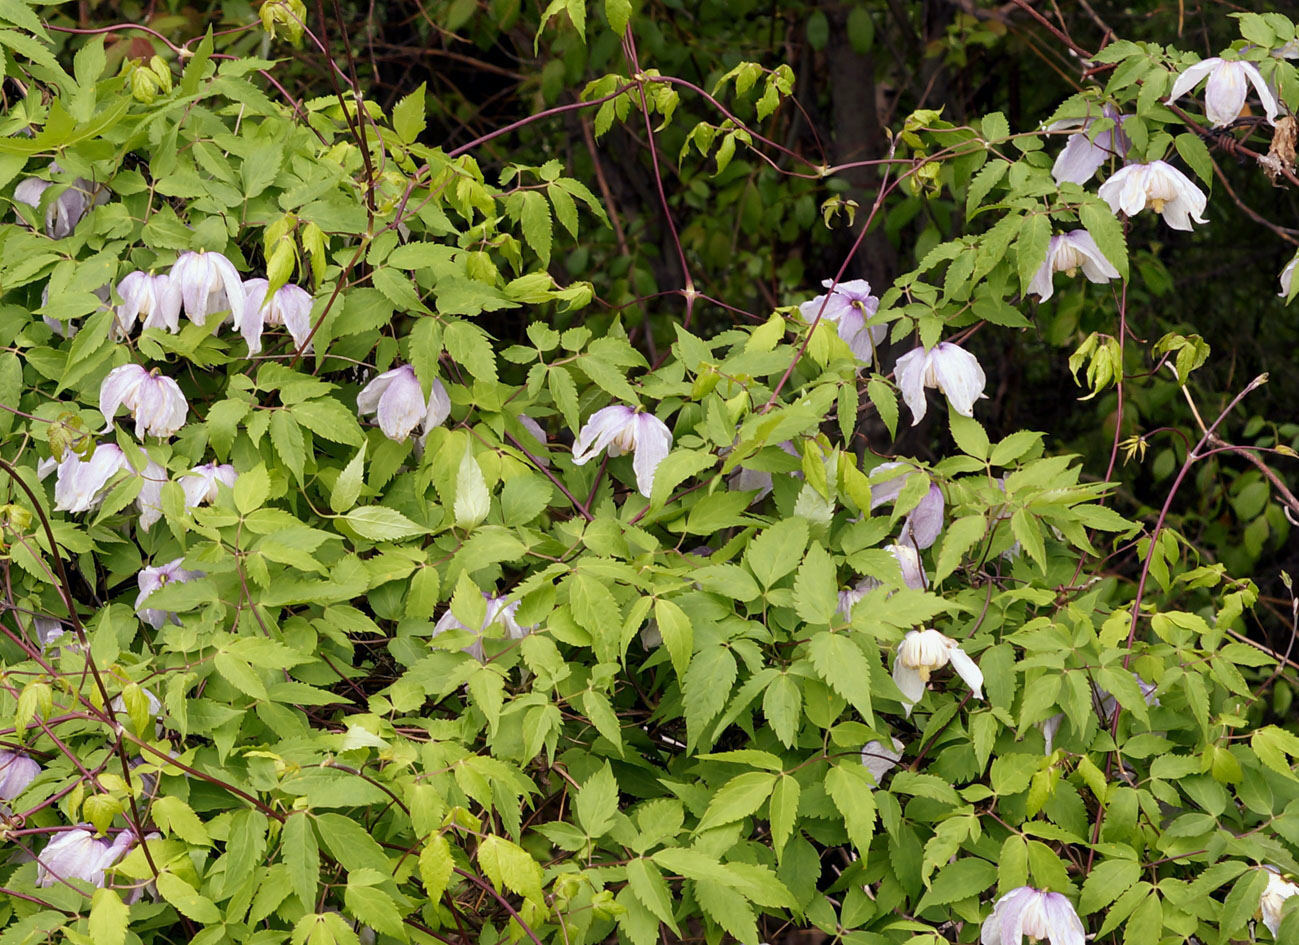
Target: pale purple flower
x,y
149,500
1067,253
1083,155
1224,94
879,759
923,651
1272,902
1287,277
913,576
538,433
1028,913
290,307
81,484
498,612
154,401
1107,707
16,772
209,283
745,479
848,306
152,578
1159,186
397,401
947,367
153,299
77,854
66,210
47,630
621,430
200,483
923,523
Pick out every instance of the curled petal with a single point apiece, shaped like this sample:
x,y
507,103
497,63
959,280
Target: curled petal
x,y
958,375
439,406
909,374
967,669
1191,77
603,427
118,387
909,683
925,522
149,501
653,443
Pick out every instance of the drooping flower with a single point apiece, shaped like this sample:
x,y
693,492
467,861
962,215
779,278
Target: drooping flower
x,y
1067,253
154,299
913,576
923,523
947,367
77,854
621,430
879,759
290,307
848,306
208,283
149,501
200,483
1083,155
48,631
538,433
16,772
1224,94
498,612
397,401
923,651
66,210
80,484
150,579
154,401
1272,902
1031,914
1287,277
1159,186
1106,707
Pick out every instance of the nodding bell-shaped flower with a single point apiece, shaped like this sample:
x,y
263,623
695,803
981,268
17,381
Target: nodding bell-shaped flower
x,y
150,579
1224,94
16,772
200,483
923,651
1287,277
149,501
47,631
209,283
498,612
153,299
1028,914
396,400
66,210
290,307
879,759
923,523
80,484
1159,186
1083,154
1272,902
1067,253
947,367
154,401
848,305
621,430
76,854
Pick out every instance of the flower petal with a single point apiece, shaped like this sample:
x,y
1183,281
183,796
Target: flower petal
x,y
120,383
653,443
909,683
1191,77
967,669
599,431
909,374
959,376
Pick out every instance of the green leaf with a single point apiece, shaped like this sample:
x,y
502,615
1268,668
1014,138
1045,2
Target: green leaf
x,y
408,115
967,877
379,523
1031,245
648,886
347,487
286,436
1107,881
1145,923
782,704
841,663
187,900
510,867
534,218
330,420
728,909
784,811
1105,228
301,854
435,866
960,536
375,908
597,802
473,500
252,488
1241,903
885,399
677,632
850,788
816,590
109,916
969,435
737,799
618,12
1028,532
777,550
176,817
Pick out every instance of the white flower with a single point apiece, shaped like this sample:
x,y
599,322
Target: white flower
x,y
1157,185
155,299
1287,277
149,501
1067,253
200,483
66,210
16,772
1224,95
76,854
1274,896
624,430
1028,913
947,367
154,401
209,283
848,306
498,612
879,759
290,307
80,484
149,580
398,403
923,651
1082,155
150,700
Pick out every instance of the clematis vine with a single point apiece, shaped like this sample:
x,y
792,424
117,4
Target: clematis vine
x,y
1272,902
1031,914
948,368
498,612
397,401
151,579
879,759
200,483
1224,93
16,772
1067,253
1083,153
289,307
155,402
153,299
80,485
621,430
924,523
66,210
1159,186
923,651
77,854
848,306
209,283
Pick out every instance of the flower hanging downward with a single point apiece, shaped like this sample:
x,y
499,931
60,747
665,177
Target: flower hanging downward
x,y
848,306
1028,913
290,307
947,367
879,759
498,612
624,430
76,854
66,210
16,772
1287,277
200,483
1159,186
80,484
156,299
923,651
397,401
209,283
923,523
155,402
149,501
1272,902
1084,153
151,579
1067,253
1224,95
